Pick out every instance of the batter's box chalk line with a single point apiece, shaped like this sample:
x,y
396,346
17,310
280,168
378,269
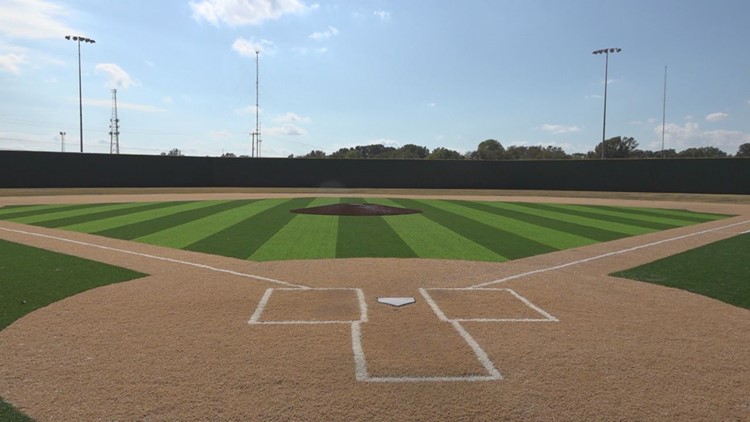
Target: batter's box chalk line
x,y
360,361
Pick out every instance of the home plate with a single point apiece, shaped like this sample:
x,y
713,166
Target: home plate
x,y
396,301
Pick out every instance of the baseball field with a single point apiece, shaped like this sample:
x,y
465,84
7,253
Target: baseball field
x,y
183,305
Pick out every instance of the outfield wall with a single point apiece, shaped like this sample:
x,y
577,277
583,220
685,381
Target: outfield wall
x,y
25,169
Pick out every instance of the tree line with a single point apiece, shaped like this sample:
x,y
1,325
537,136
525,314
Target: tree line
x,y
491,149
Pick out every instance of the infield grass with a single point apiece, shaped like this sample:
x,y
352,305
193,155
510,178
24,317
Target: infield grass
x,y
264,229
720,270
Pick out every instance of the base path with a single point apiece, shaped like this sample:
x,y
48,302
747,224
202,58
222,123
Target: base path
x,y
548,337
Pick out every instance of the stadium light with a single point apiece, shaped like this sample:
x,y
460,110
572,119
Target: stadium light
x,y
79,39
606,52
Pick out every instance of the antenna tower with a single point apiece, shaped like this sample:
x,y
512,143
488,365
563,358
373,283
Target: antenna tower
x,y
256,135
114,127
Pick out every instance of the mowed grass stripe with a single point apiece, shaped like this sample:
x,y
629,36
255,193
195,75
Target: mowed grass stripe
x,y
581,226
429,239
368,236
143,228
683,216
75,211
245,237
19,211
306,236
624,229
591,212
581,233
502,242
539,234
135,215
658,223
180,237
102,215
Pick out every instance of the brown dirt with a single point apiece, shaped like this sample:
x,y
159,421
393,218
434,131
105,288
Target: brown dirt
x,y
177,345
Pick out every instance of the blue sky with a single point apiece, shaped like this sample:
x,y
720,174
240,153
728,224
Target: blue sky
x,y
336,74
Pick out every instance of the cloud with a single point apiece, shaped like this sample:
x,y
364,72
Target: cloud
x,y
219,134
382,14
715,117
286,130
12,63
328,33
117,78
245,12
291,118
122,105
691,135
248,48
33,19
558,129
167,100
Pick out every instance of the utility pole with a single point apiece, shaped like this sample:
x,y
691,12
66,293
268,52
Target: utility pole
x,y
256,135
664,113
114,127
62,141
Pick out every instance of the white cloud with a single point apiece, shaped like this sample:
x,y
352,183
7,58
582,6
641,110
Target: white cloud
x,y
328,33
167,100
248,48
245,12
33,19
122,105
286,130
558,129
116,77
291,118
691,135
382,14
12,63
715,117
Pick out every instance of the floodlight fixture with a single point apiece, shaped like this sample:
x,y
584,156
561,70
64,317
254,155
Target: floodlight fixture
x,y
606,52
78,39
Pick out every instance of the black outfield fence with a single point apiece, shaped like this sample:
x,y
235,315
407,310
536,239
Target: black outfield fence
x,y
25,169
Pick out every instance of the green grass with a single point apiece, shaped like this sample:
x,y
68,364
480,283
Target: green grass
x,y
265,230
720,270
32,278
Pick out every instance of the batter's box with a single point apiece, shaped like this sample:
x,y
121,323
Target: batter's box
x,y
310,306
483,305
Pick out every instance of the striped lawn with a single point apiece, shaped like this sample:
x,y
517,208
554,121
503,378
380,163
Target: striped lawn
x,y
265,230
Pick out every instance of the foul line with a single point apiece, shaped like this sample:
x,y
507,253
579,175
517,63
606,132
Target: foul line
x,y
606,255
160,258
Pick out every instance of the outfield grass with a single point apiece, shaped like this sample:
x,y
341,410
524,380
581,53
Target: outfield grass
x,y
264,230
32,278
720,270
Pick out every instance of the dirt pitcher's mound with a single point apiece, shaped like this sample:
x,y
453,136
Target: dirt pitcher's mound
x,y
356,209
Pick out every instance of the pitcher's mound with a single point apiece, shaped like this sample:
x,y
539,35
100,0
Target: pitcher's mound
x,y
356,209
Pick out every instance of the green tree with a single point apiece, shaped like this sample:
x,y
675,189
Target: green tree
x,y
617,147
489,149
743,151
315,154
411,152
228,155
702,152
441,153
173,153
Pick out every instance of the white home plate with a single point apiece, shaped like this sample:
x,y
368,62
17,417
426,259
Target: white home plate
x,y
396,301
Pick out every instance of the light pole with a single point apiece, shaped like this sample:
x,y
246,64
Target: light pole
x,y
62,141
606,52
78,39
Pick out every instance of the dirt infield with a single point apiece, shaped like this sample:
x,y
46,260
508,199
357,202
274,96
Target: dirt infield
x,y
549,337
